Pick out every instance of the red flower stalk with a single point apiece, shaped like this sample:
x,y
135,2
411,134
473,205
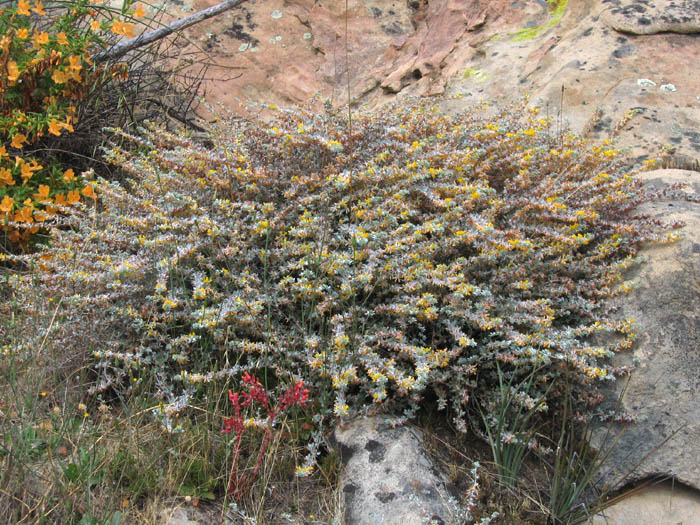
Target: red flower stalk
x,y
239,484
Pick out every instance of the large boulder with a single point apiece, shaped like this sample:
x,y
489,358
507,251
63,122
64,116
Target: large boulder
x,y
664,390
388,478
646,18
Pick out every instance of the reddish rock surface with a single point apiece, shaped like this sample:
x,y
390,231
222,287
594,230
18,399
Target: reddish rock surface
x,y
284,51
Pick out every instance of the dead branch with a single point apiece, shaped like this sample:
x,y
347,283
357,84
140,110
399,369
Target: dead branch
x,y
122,48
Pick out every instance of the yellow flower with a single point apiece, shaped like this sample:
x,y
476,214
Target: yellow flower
x,y
69,175
39,9
23,33
128,30
304,471
62,39
95,25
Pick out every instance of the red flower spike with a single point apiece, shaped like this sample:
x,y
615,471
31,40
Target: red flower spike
x,y
239,484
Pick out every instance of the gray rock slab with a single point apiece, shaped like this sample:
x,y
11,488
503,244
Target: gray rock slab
x,y
660,504
641,17
387,477
665,387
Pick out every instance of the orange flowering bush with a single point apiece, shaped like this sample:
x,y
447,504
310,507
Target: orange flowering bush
x,y
45,73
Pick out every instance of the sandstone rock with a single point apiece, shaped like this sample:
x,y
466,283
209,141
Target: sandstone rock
x,y
646,18
665,387
477,49
664,503
388,479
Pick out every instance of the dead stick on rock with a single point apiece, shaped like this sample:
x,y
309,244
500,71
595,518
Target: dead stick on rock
x,y
123,48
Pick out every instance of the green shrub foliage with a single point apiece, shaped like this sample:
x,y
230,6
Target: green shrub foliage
x,y
403,255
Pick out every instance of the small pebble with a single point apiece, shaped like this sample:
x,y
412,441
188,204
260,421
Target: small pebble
x,y
307,36
668,87
243,47
276,14
645,82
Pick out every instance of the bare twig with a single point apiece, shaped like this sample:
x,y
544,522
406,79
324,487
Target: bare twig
x,y
121,49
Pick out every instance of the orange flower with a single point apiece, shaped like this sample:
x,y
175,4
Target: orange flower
x,y
43,194
62,39
139,13
123,28
28,169
12,71
6,178
117,27
6,204
73,197
40,39
59,77
40,215
23,7
25,214
3,152
55,127
69,175
88,192
60,199
95,25
129,30
75,63
39,9
18,140
23,33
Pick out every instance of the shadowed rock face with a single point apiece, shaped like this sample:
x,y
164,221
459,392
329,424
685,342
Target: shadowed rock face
x,y
665,387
